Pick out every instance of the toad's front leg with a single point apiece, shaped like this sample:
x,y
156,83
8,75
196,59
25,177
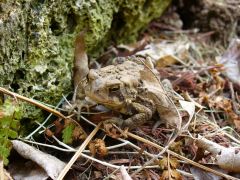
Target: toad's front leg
x,y
143,114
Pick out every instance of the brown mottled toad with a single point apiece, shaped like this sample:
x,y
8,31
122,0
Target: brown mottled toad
x,y
131,87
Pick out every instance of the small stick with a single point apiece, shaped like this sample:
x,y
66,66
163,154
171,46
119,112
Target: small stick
x,y
31,101
78,153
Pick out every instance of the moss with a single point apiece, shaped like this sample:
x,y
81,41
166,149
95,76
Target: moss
x,y
12,40
36,44
134,15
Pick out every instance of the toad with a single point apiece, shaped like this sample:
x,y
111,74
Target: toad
x,y
130,86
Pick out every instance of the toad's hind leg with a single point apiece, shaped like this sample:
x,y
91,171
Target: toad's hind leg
x,y
143,115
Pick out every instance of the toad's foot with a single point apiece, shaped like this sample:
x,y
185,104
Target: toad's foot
x,y
112,130
117,121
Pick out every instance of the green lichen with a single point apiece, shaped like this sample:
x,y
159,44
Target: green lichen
x,y
37,39
134,15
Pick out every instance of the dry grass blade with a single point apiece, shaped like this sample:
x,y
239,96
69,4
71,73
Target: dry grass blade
x,y
78,153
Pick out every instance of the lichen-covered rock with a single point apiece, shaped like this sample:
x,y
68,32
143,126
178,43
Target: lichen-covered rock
x,y
36,39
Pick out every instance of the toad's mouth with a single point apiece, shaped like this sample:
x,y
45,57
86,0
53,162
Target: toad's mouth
x,y
112,103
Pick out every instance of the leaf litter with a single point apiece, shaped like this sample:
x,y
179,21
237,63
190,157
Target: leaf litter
x,y
203,78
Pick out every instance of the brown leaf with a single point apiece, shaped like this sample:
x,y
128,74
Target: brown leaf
x,y
174,174
78,133
59,127
92,148
164,163
225,104
166,61
98,147
174,163
48,132
113,132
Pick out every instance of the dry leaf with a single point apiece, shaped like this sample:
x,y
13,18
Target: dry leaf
x,y
78,133
59,127
200,174
169,170
231,61
49,163
174,174
114,132
225,104
166,61
98,147
165,53
27,171
48,132
190,108
163,163
226,158
177,147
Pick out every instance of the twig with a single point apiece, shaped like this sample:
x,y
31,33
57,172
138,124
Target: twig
x,y
31,101
78,153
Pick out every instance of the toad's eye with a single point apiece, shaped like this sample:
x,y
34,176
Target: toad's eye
x,y
114,88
